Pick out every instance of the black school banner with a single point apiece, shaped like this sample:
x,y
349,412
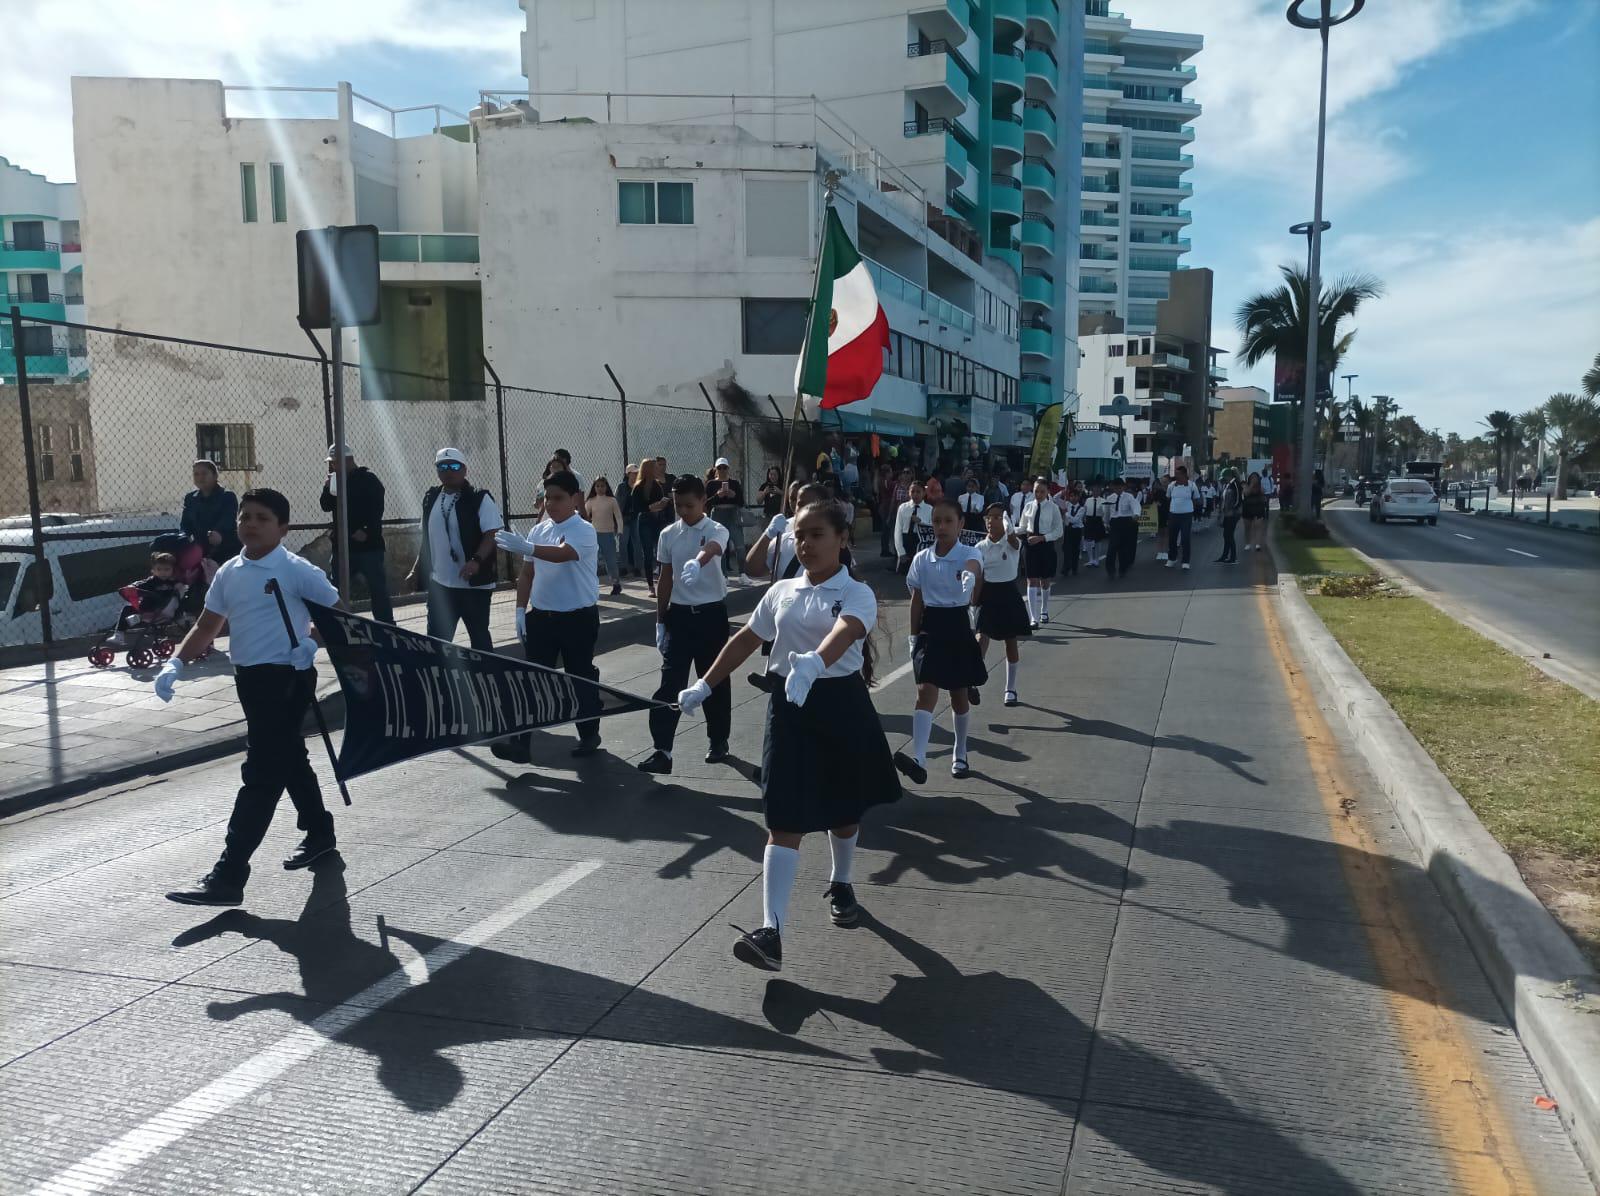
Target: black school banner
x,y
406,695
972,539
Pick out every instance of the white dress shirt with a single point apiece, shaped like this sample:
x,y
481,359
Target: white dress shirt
x,y
1040,519
999,559
1123,506
256,634
939,577
1072,515
972,503
681,543
902,520
796,616
444,538
1015,504
565,585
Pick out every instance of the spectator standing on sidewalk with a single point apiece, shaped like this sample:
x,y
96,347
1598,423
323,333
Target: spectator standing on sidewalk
x,y
209,517
605,514
770,493
649,502
725,493
364,513
1183,504
1254,509
1230,502
630,546
456,559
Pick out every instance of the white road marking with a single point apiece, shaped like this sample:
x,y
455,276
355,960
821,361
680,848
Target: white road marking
x,y
1519,552
896,675
1459,536
110,1163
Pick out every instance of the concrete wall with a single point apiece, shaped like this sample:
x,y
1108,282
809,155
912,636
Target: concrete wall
x,y
57,408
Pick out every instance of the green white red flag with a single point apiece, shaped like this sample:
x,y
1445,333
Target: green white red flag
x,y
842,358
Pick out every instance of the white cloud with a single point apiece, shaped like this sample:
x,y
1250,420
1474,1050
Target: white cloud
x,y
1256,80
237,41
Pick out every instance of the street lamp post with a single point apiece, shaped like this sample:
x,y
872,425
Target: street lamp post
x,y
1324,21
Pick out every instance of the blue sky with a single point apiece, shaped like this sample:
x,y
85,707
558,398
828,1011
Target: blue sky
x,y
1463,160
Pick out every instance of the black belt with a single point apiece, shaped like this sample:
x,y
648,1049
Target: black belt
x,y
697,608
535,612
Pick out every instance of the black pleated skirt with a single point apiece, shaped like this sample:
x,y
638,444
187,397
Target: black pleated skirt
x,y
1002,615
1040,559
947,653
1094,527
826,763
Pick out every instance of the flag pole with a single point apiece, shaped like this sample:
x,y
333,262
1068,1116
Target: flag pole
x,y
316,710
830,184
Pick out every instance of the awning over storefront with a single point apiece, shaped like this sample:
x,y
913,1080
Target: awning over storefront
x,y
884,425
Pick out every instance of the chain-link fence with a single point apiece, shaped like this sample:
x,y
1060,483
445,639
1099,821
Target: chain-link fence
x,y
101,429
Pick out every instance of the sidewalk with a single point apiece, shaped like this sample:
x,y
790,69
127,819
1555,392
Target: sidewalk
x,y
66,726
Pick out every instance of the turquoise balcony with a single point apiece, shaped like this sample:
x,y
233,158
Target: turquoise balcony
x,y
1010,17
1036,390
1039,178
1037,341
955,160
1044,18
1005,197
52,308
1006,134
1010,74
1042,71
1039,123
1011,255
1038,287
1038,233
43,255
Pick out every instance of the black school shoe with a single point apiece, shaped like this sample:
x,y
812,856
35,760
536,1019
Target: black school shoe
x,y
513,749
760,948
209,890
586,747
717,753
657,762
310,850
842,905
958,768
910,769
973,696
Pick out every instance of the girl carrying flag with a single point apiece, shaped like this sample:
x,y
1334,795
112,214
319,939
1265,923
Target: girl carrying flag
x,y
1001,615
818,624
944,580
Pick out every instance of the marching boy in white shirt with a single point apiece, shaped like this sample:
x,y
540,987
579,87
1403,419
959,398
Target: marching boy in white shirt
x,y
916,512
691,621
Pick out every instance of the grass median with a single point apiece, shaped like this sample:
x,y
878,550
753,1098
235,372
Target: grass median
x,y
1521,747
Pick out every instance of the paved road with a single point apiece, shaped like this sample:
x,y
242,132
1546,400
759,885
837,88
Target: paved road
x,y
1165,938
1541,586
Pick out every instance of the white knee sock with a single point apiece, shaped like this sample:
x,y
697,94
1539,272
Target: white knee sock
x,y
778,868
844,856
1011,675
1033,603
1044,602
962,722
921,729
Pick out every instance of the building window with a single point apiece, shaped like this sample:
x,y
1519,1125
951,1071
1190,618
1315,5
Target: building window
x,y
1115,351
228,446
247,191
47,459
31,288
27,234
77,467
655,203
773,326
75,438
1116,383
77,342
70,242
37,341
280,197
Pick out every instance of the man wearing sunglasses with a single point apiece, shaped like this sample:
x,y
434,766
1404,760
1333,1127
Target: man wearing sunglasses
x,y
456,561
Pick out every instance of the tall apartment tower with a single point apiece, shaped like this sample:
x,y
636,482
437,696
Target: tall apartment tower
x,y
1136,125
41,272
979,101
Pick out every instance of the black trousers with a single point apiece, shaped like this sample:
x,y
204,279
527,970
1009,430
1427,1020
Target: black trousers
x,y
695,634
566,638
1071,549
275,698
1124,533
1180,532
1230,550
448,606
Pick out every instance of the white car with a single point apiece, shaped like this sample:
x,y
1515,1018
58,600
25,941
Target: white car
x,y
1405,498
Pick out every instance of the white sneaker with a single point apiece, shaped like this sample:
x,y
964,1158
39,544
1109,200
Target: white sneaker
x,y
1171,563
1161,556
1186,567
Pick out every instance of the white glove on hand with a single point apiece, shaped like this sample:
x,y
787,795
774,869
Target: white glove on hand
x,y
509,541
690,573
661,639
304,654
969,582
691,699
779,525
522,623
804,669
171,673
911,645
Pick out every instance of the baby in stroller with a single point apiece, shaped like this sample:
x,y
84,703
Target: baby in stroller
x,y
153,620
152,600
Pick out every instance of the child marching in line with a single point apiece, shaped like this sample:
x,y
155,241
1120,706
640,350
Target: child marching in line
x,y
1071,503
691,621
774,550
1001,615
944,579
914,514
818,624
1041,528
1095,510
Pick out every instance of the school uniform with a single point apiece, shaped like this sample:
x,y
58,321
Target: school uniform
x,y
1072,513
1014,505
1123,526
1001,613
697,628
826,762
563,617
907,520
275,696
972,506
1095,511
1040,519
946,654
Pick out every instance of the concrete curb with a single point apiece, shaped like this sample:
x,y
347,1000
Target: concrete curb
x,y
1546,986
614,633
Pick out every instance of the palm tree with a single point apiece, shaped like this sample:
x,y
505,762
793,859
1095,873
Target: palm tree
x,y
1591,379
1503,424
1574,427
1363,414
1534,427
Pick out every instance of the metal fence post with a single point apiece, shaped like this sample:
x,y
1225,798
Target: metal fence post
x,y
44,587
623,395
500,431
327,391
1547,494
713,406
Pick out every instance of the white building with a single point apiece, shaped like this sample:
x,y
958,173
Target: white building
x,y
41,273
979,103
1136,126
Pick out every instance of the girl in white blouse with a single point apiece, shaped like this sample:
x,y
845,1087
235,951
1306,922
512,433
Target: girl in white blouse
x,y
1040,529
1001,615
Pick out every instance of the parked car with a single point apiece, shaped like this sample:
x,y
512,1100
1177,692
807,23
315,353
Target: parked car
x,y
1405,498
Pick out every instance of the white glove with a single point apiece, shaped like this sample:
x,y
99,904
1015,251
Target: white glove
x,y
522,623
304,654
779,525
509,541
171,673
969,582
661,639
804,668
911,645
691,699
690,573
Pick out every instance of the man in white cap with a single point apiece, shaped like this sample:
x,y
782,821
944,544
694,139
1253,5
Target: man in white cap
x,y
725,497
365,512
456,560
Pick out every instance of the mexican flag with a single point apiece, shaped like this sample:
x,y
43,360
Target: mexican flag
x,y
842,358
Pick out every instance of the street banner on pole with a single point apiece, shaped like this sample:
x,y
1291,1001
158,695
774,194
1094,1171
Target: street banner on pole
x,y
406,695
1043,454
